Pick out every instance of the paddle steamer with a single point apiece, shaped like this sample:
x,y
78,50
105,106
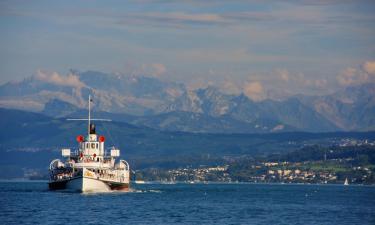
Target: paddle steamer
x,y
90,168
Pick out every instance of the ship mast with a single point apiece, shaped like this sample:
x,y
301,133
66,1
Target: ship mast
x,y
89,120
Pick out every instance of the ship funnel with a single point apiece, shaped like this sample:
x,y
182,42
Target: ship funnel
x,y
92,128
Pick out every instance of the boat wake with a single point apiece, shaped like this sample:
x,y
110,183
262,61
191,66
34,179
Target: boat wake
x,y
131,190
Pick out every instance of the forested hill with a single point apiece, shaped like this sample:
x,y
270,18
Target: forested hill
x,y
31,140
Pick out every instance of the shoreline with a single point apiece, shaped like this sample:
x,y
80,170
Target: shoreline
x,y
23,180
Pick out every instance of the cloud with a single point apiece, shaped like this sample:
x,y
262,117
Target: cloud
x,y
352,76
250,16
320,82
282,13
356,76
173,19
229,55
230,87
283,74
153,69
158,69
322,2
254,90
299,79
70,80
199,83
185,17
369,67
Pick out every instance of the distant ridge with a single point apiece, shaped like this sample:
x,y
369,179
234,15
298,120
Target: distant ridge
x,y
29,140
151,102
29,130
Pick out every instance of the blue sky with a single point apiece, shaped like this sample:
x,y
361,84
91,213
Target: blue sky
x,y
302,46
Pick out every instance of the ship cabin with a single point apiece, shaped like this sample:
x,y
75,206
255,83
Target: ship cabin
x,y
91,149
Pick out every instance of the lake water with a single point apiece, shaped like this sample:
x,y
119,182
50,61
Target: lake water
x,y
32,203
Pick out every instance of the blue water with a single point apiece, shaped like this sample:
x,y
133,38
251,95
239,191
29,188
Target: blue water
x,y
32,203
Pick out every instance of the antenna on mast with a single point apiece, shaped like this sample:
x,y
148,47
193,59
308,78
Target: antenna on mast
x,y
89,120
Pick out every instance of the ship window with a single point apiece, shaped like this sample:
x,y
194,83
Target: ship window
x,y
87,145
97,145
93,145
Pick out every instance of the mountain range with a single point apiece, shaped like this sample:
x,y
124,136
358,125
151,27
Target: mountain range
x,y
155,103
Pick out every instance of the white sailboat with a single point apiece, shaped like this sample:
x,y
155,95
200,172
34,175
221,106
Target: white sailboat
x,y
346,182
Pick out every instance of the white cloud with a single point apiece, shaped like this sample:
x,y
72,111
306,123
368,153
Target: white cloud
x,y
369,67
321,82
158,69
254,90
182,16
299,79
174,18
70,80
153,69
356,76
352,76
199,83
283,74
230,87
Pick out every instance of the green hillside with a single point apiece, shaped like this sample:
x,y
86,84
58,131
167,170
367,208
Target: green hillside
x,y
31,140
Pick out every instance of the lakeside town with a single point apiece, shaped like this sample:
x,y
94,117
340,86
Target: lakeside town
x,y
270,172
348,161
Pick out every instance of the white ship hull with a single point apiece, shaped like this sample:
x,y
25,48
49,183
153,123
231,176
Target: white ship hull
x,y
84,184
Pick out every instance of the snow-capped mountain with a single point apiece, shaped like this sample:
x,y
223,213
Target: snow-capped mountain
x,y
149,101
